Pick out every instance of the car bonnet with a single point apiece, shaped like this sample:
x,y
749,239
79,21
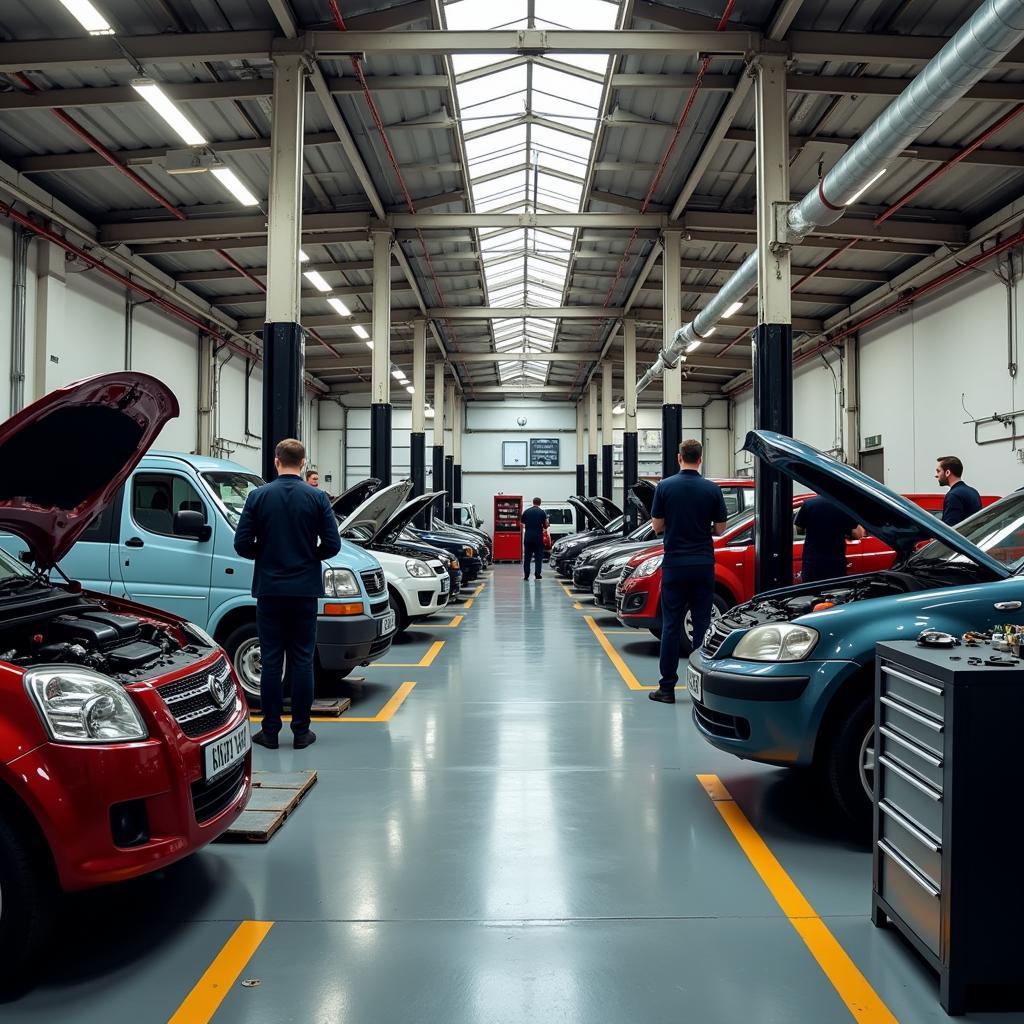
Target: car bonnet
x,y
886,515
66,456
375,511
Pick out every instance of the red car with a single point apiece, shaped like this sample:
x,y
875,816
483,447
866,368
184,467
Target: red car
x,y
638,594
124,735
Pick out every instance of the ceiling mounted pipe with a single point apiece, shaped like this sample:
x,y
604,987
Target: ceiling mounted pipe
x,y
985,39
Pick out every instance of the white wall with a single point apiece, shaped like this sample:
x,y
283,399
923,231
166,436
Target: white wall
x,y
922,374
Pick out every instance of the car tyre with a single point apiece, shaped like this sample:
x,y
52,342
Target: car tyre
x,y
243,648
719,606
848,760
401,615
28,898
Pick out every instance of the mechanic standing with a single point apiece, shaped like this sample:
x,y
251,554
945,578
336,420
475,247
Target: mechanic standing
x,y
826,528
535,522
961,500
288,528
688,510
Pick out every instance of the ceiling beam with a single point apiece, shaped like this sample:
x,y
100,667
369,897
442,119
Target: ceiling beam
x,y
838,85
261,272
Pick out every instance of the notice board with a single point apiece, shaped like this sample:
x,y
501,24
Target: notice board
x,y
544,452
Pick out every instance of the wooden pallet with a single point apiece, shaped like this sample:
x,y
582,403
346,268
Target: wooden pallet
x,y
333,708
274,796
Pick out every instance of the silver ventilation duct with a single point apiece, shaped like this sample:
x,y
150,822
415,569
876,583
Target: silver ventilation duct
x,y
993,30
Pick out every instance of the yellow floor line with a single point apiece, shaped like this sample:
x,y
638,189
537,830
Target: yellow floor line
x,y
614,657
469,603
577,606
395,701
202,1002
454,624
853,988
479,590
428,659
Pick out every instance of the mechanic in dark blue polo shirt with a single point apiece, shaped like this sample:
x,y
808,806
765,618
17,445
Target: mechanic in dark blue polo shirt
x,y
961,500
826,528
688,510
535,522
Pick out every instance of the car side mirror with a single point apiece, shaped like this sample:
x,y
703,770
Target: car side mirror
x,y
189,523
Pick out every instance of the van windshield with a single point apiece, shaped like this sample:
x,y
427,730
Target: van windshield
x,y
230,491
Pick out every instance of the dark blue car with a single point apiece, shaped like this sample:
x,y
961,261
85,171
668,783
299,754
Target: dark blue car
x,y
788,678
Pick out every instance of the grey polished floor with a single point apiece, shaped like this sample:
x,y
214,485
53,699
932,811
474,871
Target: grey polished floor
x,y
524,840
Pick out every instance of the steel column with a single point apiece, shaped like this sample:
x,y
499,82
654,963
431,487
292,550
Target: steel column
x,y
437,456
380,377
418,437
773,338
581,458
459,412
592,440
283,343
672,380
630,448
449,451
19,310
607,436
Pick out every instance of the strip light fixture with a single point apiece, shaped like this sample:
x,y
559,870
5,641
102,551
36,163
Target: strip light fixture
x,y
856,195
233,184
318,281
88,17
339,307
169,111
733,309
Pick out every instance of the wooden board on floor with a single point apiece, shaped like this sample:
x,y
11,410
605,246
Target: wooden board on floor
x,y
331,708
275,795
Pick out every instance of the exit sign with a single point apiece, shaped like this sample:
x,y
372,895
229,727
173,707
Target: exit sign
x,y
874,441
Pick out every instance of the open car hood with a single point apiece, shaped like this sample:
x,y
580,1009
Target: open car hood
x,y
641,497
406,514
606,505
591,513
348,501
376,510
888,516
65,456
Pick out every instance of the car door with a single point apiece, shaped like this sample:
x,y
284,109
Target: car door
x,y
159,567
90,561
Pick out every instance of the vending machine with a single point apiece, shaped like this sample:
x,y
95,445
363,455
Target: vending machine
x,y
508,528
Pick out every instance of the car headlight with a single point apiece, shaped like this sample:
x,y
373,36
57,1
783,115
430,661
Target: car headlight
x,y
414,567
78,705
468,551
340,583
778,641
649,567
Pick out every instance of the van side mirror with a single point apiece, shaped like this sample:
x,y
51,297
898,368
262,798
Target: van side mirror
x,y
189,523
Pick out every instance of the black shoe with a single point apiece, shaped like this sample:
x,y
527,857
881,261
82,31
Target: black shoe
x,y
264,739
526,579
538,577
664,696
304,739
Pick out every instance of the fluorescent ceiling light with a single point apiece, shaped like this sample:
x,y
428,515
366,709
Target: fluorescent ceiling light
x,y
398,374
165,107
339,307
233,184
369,345
733,309
319,282
856,195
303,258
360,331
693,345
410,389
429,413
88,17
619,409
710,332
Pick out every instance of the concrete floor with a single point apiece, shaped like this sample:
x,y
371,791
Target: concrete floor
x,y
525,840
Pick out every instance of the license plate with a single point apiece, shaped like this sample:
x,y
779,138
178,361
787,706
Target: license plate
x,y
694,683
597,590
221,754
445,584
386,624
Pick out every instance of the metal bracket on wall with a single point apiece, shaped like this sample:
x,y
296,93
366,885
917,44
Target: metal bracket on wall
x,y
782,239
1007,419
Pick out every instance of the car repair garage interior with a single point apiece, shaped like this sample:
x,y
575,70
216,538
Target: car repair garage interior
x,y
653,370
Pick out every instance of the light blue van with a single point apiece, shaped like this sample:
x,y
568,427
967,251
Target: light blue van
x,y
167,541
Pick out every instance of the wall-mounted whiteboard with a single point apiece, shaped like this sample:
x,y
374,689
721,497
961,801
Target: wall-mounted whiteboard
x,y
514,454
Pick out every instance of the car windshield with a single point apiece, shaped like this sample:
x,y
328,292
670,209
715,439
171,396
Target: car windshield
x,y
615,526
12,569
998,530
230,489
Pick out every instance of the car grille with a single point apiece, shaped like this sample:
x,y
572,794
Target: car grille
x,y
714,638
380,645
627,572
727,726
190,702
210,798
373,580
380,607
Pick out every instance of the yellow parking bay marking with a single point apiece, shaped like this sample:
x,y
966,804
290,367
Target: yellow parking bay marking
x,y
861,1000
425,662
386,713
202,1002
454,624
614,657
577,606
468,603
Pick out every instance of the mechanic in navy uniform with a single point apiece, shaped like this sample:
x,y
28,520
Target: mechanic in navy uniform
x,y
535,522
288,528
689,511
826,529
961,500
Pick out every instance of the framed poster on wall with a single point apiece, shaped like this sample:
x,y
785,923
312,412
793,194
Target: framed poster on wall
x,y
650,440
514,454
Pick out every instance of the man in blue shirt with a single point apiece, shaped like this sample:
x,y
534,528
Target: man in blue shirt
x,y
961,500
826,528
288,528
688,510
535,522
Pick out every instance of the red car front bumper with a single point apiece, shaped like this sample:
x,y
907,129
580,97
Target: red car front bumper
x,y
75,792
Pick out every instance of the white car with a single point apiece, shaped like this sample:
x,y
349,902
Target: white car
x,y
418,581
464,514
562,518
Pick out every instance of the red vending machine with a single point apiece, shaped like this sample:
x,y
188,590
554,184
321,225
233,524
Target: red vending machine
x,y
508,528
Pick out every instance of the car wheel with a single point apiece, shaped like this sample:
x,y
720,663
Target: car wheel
x,y
718,609
401,615
849,762
243,647
28,896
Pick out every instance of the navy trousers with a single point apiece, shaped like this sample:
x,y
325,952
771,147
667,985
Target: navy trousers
x,y
287,629
688,587
533,549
